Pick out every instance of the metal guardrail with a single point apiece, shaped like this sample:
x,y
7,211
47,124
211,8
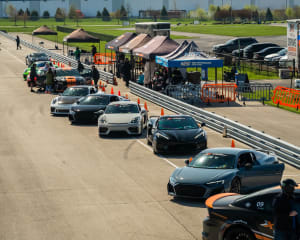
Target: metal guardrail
x,y
255,92
104,76
286,152
190,93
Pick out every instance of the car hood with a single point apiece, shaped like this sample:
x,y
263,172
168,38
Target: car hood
x,y
272,55
60,78
67,99
200,175
87,108
120,118
182,135
218,46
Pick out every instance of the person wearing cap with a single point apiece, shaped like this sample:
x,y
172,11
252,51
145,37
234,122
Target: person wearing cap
x,y
285,216
95,75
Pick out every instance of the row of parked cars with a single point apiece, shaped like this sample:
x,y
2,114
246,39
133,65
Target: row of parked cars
x,y
250,48
228,171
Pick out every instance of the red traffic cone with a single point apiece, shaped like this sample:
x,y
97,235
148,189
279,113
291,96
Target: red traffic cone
x,y
139,101
112,90
146,107
119,93
126,96
232,143
103,89
162,112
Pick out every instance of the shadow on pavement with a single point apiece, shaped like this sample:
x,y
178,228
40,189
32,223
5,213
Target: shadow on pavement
x,y
189,202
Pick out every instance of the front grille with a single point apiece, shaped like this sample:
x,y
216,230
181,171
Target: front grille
x,y
52,109
133,129
62,110
85,116
170,188
189,190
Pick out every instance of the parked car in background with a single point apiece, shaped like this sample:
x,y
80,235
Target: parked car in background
x,y
61,104
175,133
219,170
39,64
233,216
67,77
266,51
250,50
297,83
233,44
37,56
273,59
285,62
88,108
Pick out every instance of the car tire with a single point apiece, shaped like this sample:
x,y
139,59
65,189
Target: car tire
x,y
239,234
235,186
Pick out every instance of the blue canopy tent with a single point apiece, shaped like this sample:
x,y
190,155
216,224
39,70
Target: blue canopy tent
x,y
188,55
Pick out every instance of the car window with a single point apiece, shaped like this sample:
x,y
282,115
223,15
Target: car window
x,y
121,109
177,123
67,72
114,99
76,92
260,203
95,100
244,159
213,161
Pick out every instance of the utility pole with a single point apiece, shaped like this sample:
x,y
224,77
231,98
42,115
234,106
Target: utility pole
x,y
231,11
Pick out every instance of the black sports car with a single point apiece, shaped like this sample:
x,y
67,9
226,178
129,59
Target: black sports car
x,y
67,77
218,170
34,57
175,133
249,217
88,109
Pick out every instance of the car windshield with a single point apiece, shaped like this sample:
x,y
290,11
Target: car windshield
x,y
213,161
42,64
76,92
229,42
177,123
95,100
282,52
67,72
122,108
39,55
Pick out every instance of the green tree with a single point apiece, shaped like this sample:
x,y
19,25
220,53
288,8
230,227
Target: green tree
x,y
27,12
163,13
217,13
46,14
123,12
98,14
34,15
20,12
212,10
289,13
11,11
105,15
269,15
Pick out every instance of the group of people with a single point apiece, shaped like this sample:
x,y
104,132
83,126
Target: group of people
x,y
49,82
124,68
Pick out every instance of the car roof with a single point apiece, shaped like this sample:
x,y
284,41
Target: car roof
x,y
175,116
101,94
228,150
123,103
81,86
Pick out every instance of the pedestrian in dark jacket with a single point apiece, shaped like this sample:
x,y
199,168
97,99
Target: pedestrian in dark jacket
x,y
126,71
49,80
18,42
285,216
33,76
95,75
94,50
80,67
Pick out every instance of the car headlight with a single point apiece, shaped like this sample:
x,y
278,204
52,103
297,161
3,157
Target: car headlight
x,y
135,120
54,101
201,134
102,120
160,135
219,182
172,180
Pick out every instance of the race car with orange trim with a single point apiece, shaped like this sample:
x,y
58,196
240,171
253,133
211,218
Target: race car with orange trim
x,y
67,77
233,216
218,170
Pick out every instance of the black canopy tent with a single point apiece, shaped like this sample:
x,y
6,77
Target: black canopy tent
x,y
44,30
79,36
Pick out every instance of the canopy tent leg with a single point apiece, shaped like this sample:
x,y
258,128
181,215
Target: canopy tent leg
x,y
216,75
63,48
99,49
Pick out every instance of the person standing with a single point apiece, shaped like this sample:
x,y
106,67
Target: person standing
x,y
80,66
94,51
285,216
18,42
33,76
126,71
77,54
95,75
49,80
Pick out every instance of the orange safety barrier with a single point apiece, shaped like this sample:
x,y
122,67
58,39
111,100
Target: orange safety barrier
x,y
104,58
286,97
219,92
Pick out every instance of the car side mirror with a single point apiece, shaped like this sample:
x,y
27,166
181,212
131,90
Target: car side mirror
x,y
187,162
248,166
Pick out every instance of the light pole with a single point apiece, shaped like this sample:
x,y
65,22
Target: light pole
x,y
231,11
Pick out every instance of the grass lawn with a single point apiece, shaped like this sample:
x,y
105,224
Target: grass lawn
x,y
236,30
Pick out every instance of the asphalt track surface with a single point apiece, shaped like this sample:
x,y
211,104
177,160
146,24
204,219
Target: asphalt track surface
x,y
61,181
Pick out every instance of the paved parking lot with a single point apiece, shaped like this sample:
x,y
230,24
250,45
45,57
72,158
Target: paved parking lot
x,y
61,181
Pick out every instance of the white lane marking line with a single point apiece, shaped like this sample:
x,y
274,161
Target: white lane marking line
x,y
150,149
291,175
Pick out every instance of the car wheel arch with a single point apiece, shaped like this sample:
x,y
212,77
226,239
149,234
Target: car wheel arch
x,y
234,227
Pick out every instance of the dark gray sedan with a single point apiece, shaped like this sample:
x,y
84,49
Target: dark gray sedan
x,y
220,170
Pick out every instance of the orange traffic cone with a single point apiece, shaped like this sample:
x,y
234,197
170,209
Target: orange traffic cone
x,y
139,101
119,93
103,89
92,83
146,107
191,159
58,64
162,112
112,90
232,143
126,96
